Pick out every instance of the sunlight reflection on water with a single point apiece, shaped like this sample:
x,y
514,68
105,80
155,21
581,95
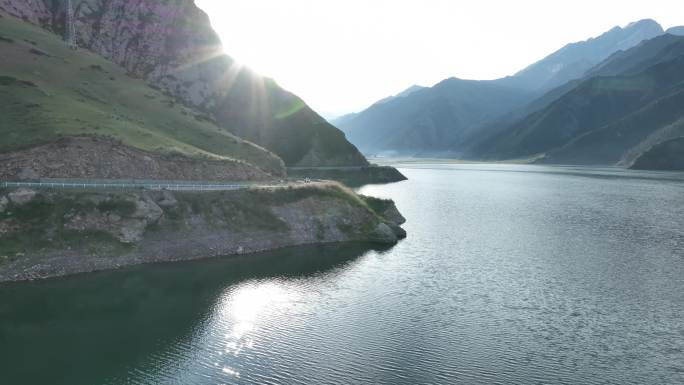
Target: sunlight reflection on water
x,y
246,306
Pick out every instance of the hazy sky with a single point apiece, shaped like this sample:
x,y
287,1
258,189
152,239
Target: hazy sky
x,y
343,55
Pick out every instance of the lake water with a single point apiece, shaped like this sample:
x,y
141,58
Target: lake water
x,y
509,275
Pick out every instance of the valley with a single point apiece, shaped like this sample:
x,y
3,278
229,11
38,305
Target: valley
x,y
603,101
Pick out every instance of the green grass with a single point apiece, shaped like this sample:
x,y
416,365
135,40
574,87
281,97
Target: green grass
x,y
42,226
251,209
121,207
48,91
236,210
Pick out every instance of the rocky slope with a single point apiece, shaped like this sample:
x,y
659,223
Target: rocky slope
x,y
47,234
98,158
665,156
172,46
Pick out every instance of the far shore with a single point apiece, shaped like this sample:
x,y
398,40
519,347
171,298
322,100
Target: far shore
x,y
391,161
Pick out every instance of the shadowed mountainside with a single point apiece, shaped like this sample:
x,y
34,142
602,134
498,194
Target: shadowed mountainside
x,y
635,97
446,119
430,119
172,46
668,155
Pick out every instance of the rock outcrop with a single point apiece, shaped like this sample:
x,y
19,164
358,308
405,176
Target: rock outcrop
x,y
46,234
171,45
19,197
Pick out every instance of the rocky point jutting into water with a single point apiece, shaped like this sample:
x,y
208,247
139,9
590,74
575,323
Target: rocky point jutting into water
x,y
47,234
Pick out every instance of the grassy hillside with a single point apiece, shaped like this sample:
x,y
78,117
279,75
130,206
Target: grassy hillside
x,y
172,45
48,91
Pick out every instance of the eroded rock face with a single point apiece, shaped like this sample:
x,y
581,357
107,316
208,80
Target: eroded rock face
x,y
34,11
126,227
171,44
94,158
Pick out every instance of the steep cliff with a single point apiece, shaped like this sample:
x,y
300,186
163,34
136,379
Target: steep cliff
x,y
172,46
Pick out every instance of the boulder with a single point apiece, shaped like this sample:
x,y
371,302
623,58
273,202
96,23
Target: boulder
x,y
22,196
167,200
147,210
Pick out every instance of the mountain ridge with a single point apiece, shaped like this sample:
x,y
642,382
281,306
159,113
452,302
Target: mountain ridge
x,y
571,61
607,118
455,129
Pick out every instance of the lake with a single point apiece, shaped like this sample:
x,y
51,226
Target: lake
x,y
510,274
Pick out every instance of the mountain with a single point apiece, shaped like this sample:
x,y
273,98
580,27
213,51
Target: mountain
x,y
430,120
639,58
402,94
627,62
73,114
455,115
679,31
171,45
624,105
348,117
573,60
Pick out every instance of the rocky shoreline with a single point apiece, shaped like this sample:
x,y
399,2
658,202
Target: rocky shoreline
x,y
350,176
51,234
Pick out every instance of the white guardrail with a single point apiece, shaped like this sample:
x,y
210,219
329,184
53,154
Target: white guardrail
x,y
123,185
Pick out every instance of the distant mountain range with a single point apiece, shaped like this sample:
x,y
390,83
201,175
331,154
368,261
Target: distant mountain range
x,y
612,110
604,101
573,60
430,119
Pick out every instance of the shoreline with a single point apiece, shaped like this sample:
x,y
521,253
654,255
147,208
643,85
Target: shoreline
x,y
54,234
